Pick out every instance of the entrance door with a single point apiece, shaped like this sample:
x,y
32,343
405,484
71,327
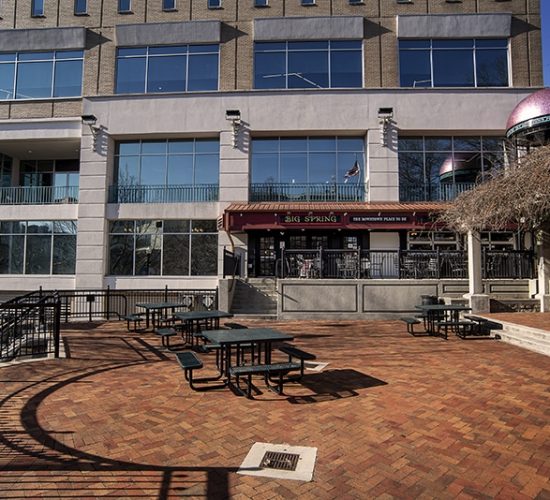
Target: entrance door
x,y
266,256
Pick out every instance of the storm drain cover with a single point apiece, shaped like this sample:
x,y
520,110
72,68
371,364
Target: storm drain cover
x,y
280,461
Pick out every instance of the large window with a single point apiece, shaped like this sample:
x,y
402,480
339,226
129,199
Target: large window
x,y
313,160
163,248
37,247
440,168
185,162
454,63
292,65
174,68
35,75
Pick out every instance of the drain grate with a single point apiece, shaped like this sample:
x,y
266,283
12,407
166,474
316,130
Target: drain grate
x,y
281,461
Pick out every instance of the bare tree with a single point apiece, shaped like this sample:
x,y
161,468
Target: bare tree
x,y
519,194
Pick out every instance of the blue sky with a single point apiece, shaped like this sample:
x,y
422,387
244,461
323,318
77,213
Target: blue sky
x,y
545,10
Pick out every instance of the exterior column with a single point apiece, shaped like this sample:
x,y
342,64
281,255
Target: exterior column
x,y
479,302
543,270
92,232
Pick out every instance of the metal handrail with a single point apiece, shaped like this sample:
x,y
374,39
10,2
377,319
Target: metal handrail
x,y
303,191
163,193
38,195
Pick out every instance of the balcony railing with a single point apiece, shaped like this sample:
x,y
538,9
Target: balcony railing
x,y
39,195
307,192
443,192
401,264
164,194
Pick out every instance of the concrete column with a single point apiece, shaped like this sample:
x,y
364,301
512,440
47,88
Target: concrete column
x,y
91,246
382,166
479,302
543,269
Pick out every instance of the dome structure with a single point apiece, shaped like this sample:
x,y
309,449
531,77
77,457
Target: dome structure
x,y
531,117
461,166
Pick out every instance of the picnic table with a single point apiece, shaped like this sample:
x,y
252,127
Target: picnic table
x,y
151,308
260,342
442,315
193,321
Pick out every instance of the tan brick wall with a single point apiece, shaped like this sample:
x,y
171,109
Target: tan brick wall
x,y
24,19
393,8
7,14
389,52
42,109
295,8
111,17
442,7
67,108
67,17
371,53
4,110
227,57
245,55
247,11
155,14
516,6
370,8
535,51
107,55
227,13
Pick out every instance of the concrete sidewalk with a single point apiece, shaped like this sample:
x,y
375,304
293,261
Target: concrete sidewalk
x,y
392,416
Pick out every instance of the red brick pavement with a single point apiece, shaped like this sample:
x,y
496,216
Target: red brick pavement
x,y
392,416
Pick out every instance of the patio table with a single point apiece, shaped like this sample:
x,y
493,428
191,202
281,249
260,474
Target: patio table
x,y
192,320
153,307
260,338
441,312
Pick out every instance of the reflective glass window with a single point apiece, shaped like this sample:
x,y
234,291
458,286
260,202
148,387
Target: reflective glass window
x,y
454,63
167,248
311,64
440,168
80,7
168,4
37,8
179,68
214,4
124,5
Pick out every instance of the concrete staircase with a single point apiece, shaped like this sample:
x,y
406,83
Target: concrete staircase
x,y
255,298
524,336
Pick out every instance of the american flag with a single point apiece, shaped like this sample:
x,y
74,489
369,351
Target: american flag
x,y
352,172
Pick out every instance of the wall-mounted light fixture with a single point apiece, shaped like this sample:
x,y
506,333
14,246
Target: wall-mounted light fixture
x,y
234,116
385,117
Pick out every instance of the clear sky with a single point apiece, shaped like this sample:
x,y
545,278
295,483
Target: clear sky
x,y
545,10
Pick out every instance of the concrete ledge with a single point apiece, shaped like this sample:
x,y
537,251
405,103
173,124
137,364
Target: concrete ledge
x,y
455,26
168,33
43,39
309,28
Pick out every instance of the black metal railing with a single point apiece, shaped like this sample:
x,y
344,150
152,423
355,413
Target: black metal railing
x,y
29,326
351,191
442,192
164,194
401,264
110,304
231,264
38,195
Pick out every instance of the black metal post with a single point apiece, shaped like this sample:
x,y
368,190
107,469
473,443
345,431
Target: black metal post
x,y
165,293
57,327
108,299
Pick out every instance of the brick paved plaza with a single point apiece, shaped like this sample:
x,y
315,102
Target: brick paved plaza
x,y
392,416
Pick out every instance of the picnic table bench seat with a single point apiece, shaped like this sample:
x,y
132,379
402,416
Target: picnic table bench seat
x,y
165,334
481,324
189,362
132,318
279,369
461,328
294,353
235,326
410,321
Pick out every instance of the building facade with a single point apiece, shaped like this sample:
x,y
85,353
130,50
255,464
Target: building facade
x,y
139,139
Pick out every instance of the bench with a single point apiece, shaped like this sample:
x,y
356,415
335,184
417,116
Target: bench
x,y
280,369
132,318
189,361
460,327
165,334
294,353
235,326
481,324
410,324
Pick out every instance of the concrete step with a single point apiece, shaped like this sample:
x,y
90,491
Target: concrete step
x,y
526,337
536,345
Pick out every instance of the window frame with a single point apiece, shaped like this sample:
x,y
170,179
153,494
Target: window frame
x,y
82,12
55,57
474,50
148,56
160,224
120,10
289,49
214,4
166,8
38,12
264,4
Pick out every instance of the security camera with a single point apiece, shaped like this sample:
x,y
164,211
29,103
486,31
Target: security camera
x,y
233,115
